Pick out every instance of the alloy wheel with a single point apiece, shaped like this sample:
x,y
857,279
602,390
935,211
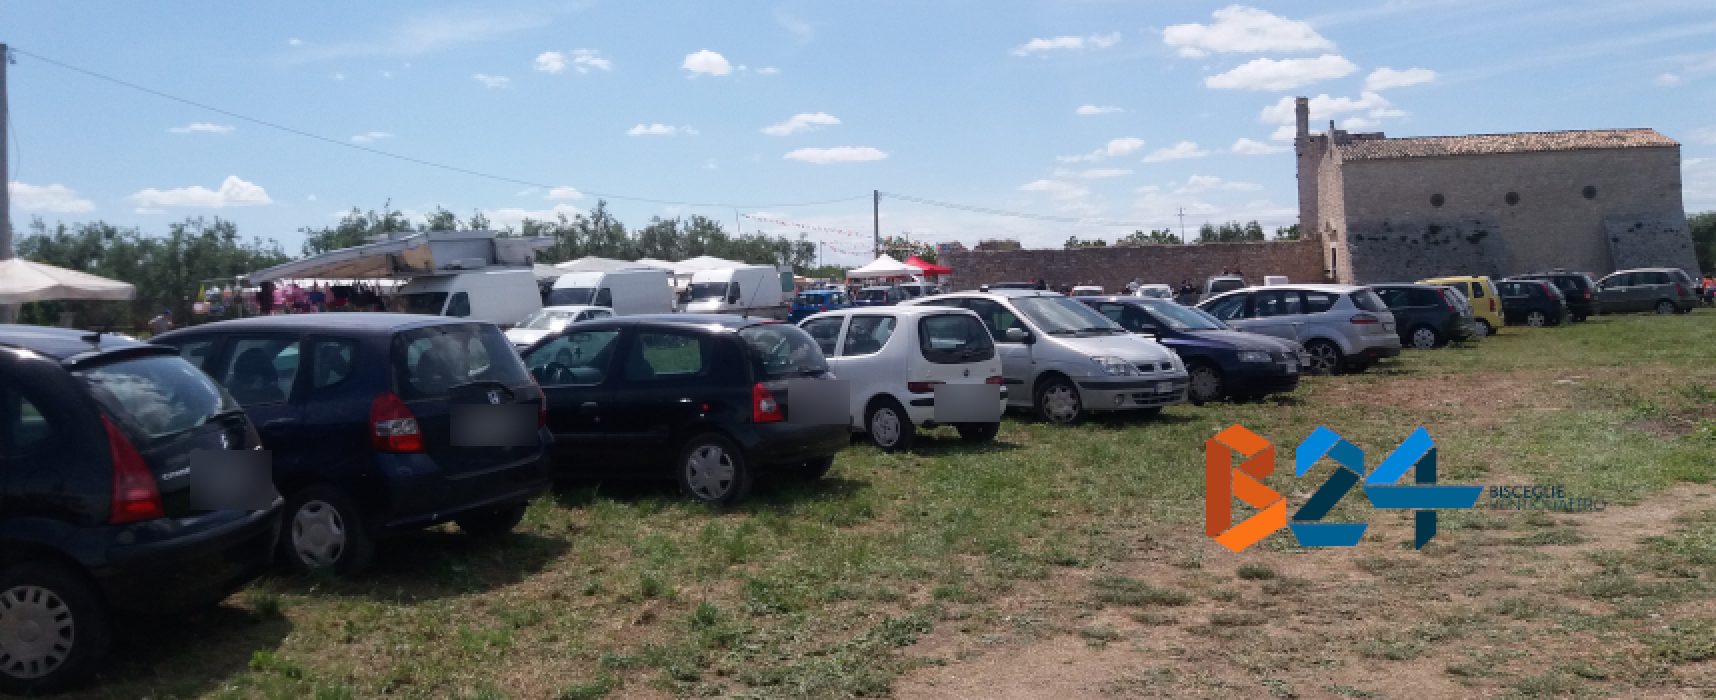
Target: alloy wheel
x,y
1324,357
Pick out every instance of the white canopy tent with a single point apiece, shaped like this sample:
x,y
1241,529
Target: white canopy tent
x,y
884,266
703,262
595,264
24,281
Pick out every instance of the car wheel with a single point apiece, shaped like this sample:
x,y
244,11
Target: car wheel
x,y
711,471
325,532
1325,357
1536,319
889,426
1426,337
978,432
1058,402
1580,318
493,522
1482,328
53,628
1665,307
1206,385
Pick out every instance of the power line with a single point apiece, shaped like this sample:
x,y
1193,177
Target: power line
x,y
406,158
1012,214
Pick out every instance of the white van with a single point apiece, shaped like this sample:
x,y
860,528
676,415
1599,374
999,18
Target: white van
x,y
752,290
627,292
502,297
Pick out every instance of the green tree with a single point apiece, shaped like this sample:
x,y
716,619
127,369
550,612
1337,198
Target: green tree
x,y
1287,233
902,247
1704,239
1207,233
1155,236
1253,231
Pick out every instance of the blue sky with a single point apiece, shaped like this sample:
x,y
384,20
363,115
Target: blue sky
x,y
755,106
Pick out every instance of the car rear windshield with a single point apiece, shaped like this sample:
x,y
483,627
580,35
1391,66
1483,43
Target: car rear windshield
x,y
546,320
1219,286
954,339
1367,300
428,362
780,351
156,397
814,299
429,303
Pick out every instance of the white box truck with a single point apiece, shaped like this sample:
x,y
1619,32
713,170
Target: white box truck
x,y
751,290
627,292
502,296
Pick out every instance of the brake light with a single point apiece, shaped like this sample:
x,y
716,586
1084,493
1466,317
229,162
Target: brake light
x,y
824,307
922,387
764,407
394,428
135,496
1364,319
1492,304
1679,291
541,402
994,379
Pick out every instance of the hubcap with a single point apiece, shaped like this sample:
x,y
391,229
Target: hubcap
x,y
1322,357
1205,384
318,534
36,632
1665,308
1424,338
1482,328
709,472
885,426
1535,318
1060,402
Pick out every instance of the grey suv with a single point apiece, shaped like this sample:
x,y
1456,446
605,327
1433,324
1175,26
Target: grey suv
x,y
1664,290
1343,327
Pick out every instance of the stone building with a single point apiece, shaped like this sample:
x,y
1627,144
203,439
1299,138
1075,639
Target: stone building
x,y
1393,209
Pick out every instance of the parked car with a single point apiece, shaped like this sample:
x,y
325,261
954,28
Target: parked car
x,y
1532,303
1221,284
896,359
880,296
1154,291
1577,287
551,319
1427,316
1065,360
1664,290
1481,293
1008,285
1088,290
98,514
703,400
359,411
1343,327
1220,362
813,301
914,290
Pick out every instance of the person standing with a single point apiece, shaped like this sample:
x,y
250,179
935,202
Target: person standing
x,y
162,323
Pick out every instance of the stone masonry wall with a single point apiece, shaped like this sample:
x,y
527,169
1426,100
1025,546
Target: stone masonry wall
x,y
1112,268
1651,241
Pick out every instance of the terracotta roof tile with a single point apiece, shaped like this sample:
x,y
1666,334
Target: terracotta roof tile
x,y
1523,142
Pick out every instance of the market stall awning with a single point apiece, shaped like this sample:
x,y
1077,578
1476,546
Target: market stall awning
x,y
884,266
23,281
928,268
432,252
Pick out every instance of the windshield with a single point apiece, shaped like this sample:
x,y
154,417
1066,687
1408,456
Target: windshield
x,y
1225,285
1061,315
571,296
546,320
429,303
156,397
429,362
1181,318
708,290
815,299
779,351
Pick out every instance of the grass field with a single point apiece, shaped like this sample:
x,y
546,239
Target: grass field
x,y
1065,562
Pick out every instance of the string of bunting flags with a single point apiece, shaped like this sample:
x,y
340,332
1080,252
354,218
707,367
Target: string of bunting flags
x,y
843,247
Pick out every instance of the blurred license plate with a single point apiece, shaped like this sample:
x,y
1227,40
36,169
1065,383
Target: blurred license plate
x,y
1291,366
1388,326
1164,387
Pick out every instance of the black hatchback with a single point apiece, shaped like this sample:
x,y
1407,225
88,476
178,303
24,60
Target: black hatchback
x,y
381,423
1532,303
1425,315
99,435
1578,289
704,400
1221,362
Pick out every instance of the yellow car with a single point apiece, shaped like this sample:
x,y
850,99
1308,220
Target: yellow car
x,y
1486,303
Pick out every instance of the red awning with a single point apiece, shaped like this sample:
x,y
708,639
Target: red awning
x,y
929,268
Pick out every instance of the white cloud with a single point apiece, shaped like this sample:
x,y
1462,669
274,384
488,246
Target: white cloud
x,y
371,137
838,154
1249,147
1178,151
294,41
1667,80
387,74
710,164
1285,132
1324,108
802,122
1114,148
233,192
1040,46
1284,74
339,76
1102,173
1057,189
706,62
652,130
1210,183
564,192
1698,178
550,62
1093,110
1387,78
58,199
310,197
513,217
768,70
493,81
586,60
802,32
1359,124
203,128
1241,29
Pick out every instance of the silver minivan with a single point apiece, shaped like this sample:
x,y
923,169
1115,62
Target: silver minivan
x,y
1665,290
1343,327
1063,360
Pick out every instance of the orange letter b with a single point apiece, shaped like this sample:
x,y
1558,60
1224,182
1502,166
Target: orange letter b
x,y
1223,482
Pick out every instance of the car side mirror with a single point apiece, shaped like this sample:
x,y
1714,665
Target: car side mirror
x,y
1018,335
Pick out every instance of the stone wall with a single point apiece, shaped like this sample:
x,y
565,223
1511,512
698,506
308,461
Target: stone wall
x,y
1112,268
1651,241
1411,250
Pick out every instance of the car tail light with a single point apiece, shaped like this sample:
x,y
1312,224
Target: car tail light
x,y
395,429
1364,319
921,387
1449,301
764,407
1587,293
1679,291
541,402
1492,304
824,307
135,496
994,379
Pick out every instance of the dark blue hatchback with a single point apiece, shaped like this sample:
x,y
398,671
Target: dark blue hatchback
x,y
1222,362
814,301
381,423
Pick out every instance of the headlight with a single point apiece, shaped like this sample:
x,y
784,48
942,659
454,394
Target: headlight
x,y
1114,366
1253,356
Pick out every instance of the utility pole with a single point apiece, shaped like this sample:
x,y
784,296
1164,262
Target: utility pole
x,y
1182,225
876,223
8,313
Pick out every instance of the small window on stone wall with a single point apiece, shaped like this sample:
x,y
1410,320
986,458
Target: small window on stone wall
x,y
1512,198
1436,200
1590,192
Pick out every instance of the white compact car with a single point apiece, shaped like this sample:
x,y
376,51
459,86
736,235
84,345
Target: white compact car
x,y
913,366
551,319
